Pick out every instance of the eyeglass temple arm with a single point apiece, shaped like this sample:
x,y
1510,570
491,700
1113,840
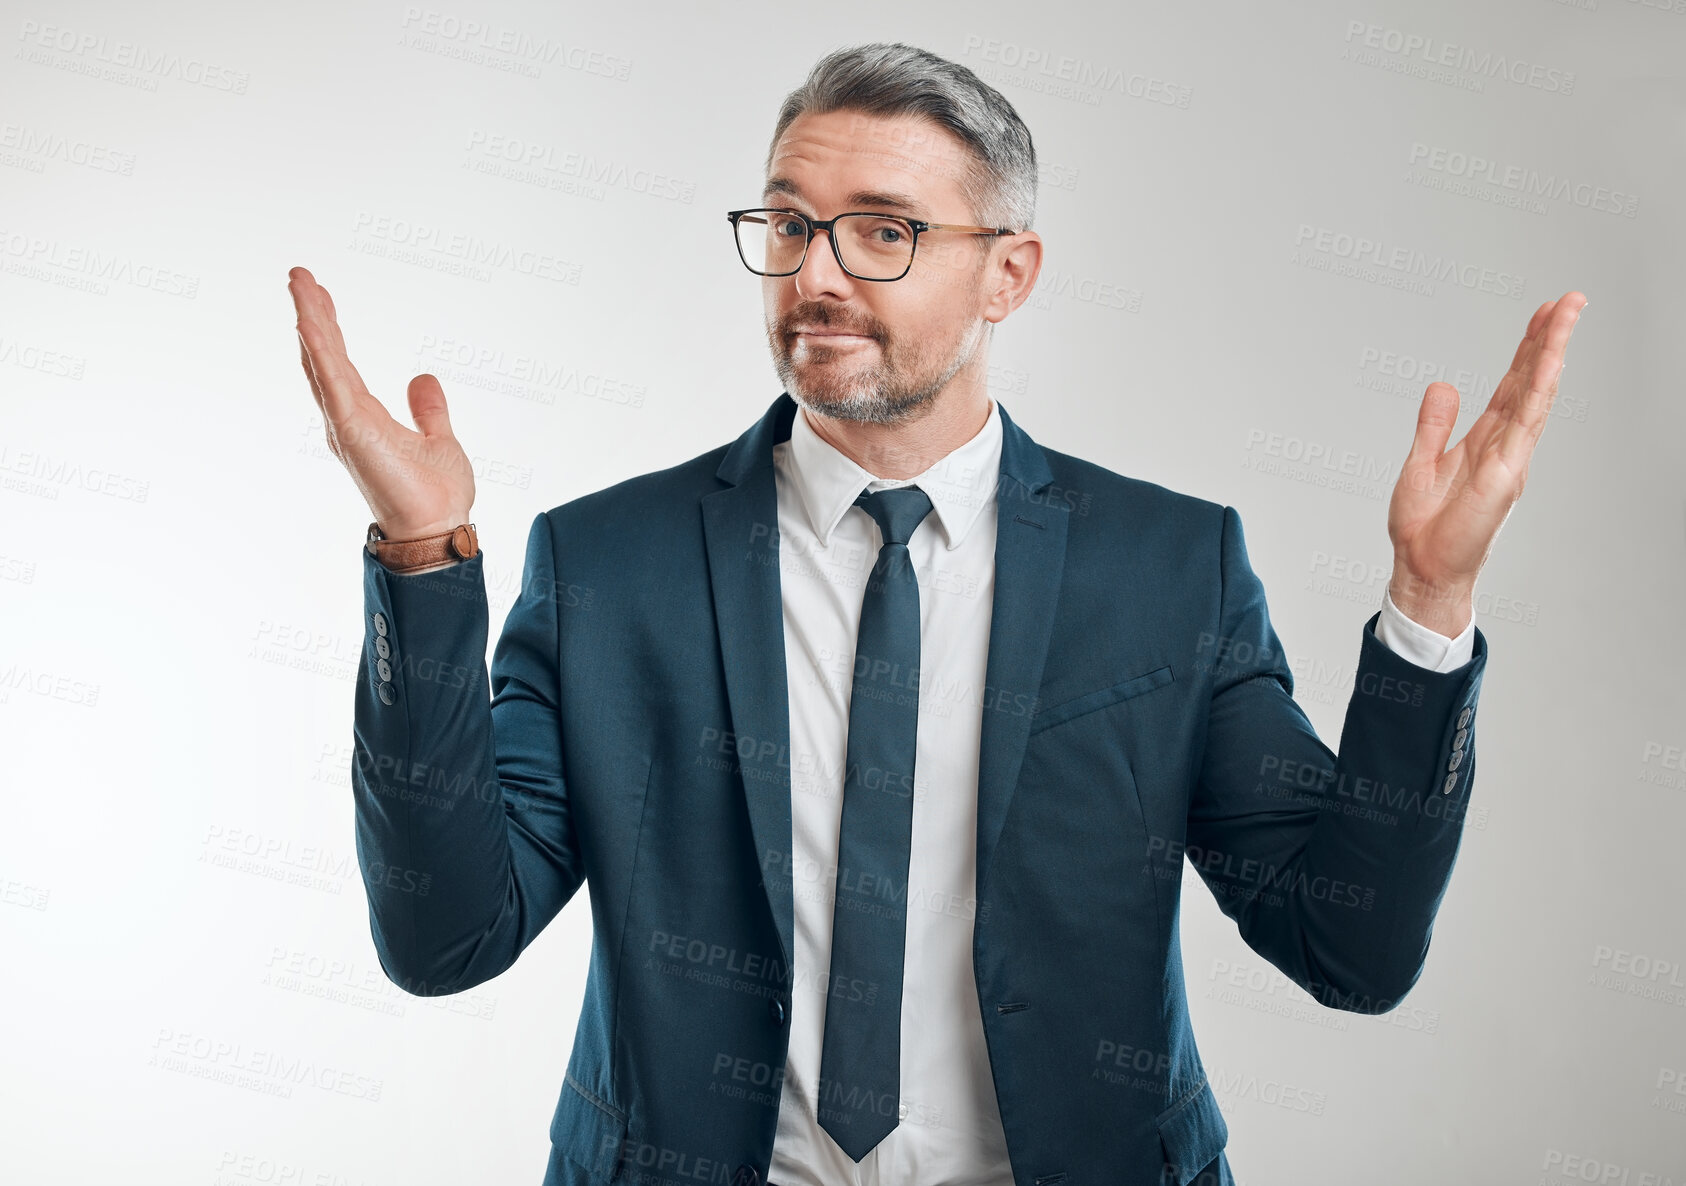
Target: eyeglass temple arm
x,y
954,226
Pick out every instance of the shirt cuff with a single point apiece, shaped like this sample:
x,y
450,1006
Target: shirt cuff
x,y
1417,643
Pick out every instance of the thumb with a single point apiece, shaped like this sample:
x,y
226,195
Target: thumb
x,y
427,406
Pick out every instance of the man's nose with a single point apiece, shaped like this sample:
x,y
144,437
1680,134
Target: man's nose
x,y
820,271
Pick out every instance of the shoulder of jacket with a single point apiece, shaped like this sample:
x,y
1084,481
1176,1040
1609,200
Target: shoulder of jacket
x,y
1089,488
645,496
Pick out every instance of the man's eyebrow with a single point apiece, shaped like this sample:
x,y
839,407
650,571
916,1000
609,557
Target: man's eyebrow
x,y
785,187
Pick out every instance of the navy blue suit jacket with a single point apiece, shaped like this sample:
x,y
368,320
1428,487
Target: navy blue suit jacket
x,y
1137,714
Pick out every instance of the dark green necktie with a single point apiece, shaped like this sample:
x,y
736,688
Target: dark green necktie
x,y
860,1059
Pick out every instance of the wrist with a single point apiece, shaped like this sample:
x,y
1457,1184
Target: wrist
x,y
1443,606
399,531
423,553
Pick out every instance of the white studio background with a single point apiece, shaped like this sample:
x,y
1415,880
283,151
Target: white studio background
x,y
191,993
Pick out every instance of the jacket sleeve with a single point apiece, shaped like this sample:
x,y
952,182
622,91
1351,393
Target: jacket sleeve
x,y
1331,864
464,834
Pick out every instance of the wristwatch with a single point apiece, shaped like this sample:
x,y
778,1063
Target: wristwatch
x,y
408,555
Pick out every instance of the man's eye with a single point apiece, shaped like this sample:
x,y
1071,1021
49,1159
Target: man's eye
x,y
788,227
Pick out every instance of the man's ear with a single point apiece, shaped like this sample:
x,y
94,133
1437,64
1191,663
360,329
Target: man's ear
x,y
1015,274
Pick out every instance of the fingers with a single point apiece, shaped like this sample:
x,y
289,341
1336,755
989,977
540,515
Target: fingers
x,y
336,382
1505,393
1530,338
328,432
297,280
1534,387
310,374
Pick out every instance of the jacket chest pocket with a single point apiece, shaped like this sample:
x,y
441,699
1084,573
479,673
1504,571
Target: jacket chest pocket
x,y
1088,702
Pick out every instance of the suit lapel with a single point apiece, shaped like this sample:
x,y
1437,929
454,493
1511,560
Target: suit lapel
x,y
740,529
741,533
1029,562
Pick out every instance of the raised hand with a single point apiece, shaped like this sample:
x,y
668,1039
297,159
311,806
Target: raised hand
x,y
415,482
1448,505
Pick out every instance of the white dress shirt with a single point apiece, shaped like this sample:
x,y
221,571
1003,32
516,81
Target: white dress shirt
x,y
950,1130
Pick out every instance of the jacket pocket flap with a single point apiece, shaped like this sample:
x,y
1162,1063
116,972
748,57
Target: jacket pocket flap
x,y
1193,1133
1089,702
587,1130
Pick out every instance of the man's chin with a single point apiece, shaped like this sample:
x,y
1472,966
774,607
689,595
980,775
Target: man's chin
x,y
823,397
827,399
870,407
822,389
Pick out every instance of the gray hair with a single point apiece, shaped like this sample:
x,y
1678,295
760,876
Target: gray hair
x,y
890,78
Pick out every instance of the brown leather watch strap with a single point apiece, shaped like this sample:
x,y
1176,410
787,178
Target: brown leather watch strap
x,y
408,555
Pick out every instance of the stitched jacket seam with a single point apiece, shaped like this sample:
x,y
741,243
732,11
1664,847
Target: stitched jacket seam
x,y
603,1106
402,690
1124,693
632,874
1188,1097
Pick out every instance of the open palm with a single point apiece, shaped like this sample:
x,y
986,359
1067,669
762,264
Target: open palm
x,y
1449,504
417,481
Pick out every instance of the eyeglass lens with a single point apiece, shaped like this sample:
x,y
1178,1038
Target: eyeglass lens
x,y
874,246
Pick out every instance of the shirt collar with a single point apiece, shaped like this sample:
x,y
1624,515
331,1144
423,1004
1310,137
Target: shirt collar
x,y
959,485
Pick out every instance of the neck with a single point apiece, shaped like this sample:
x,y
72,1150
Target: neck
x,y
906,450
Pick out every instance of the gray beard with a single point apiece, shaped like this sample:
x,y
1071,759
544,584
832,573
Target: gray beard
x,y
877,397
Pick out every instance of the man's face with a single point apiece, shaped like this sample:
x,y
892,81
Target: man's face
x,y
860,349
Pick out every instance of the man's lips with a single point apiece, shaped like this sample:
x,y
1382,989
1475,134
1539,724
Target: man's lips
x,y
831,333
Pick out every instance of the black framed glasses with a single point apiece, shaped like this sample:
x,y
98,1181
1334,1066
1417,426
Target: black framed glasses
x,y
867,246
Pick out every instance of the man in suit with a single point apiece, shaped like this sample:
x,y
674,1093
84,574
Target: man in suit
x,y
882,733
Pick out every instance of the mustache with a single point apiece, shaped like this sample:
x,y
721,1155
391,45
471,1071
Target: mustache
x,y
827,317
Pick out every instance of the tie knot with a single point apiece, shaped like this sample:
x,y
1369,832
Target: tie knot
x,y
897,510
